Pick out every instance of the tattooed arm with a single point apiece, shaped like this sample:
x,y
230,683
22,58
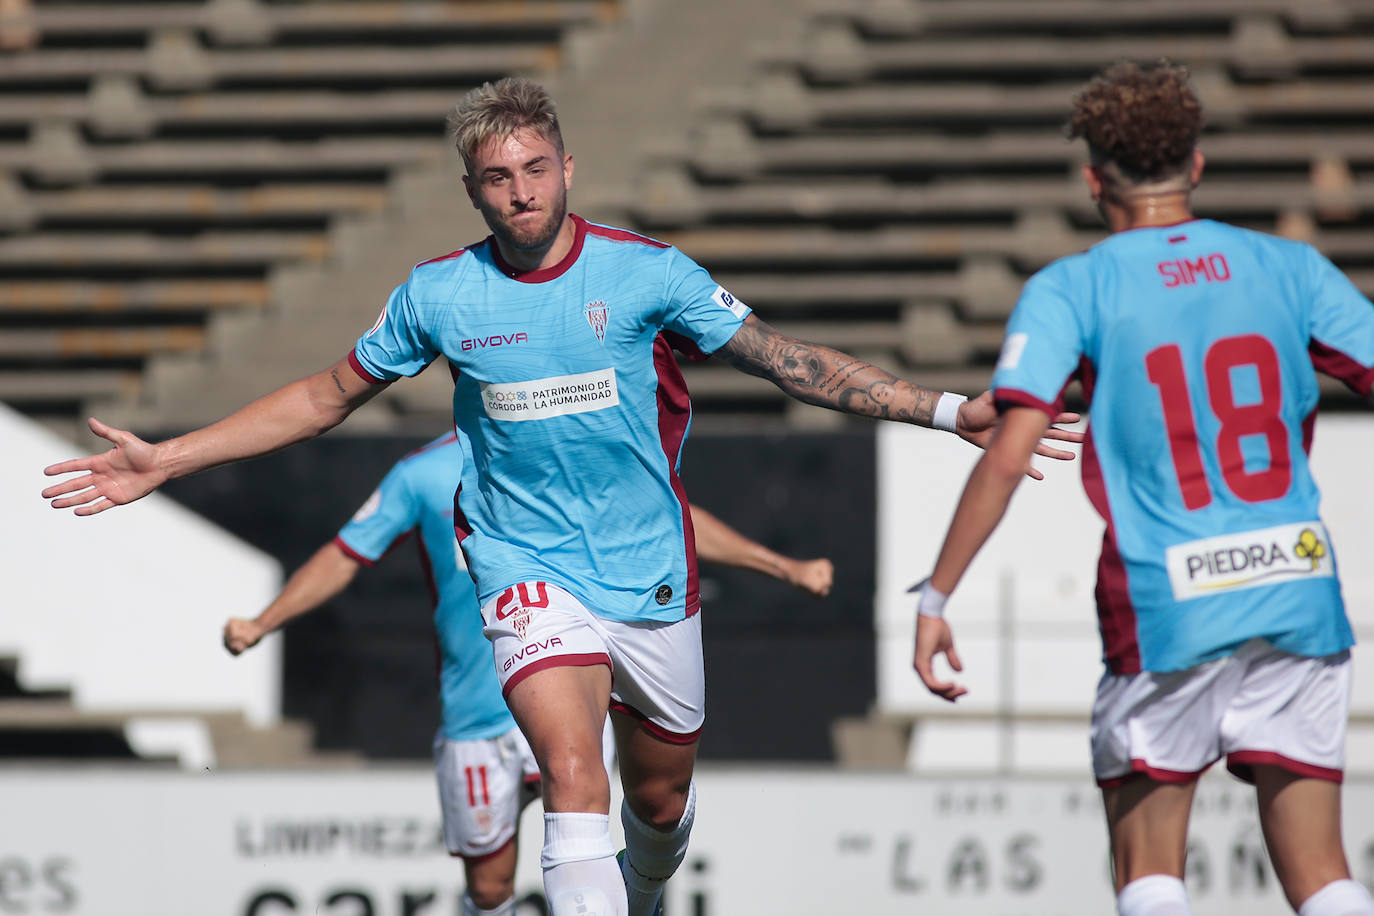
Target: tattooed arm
x,y
825,377
134,468
828,378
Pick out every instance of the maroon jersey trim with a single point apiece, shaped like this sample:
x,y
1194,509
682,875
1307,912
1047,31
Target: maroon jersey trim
x,y
545,274
1342,367
674,415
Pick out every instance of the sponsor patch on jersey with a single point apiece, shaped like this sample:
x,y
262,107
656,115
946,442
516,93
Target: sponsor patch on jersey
x,y
1249,559
558,396
726,301
1012,348
369,508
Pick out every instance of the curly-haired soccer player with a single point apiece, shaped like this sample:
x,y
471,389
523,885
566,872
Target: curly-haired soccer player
x,y
1223,629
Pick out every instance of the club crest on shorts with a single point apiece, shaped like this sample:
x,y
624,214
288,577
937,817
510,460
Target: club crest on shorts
x,y
516,604
596,317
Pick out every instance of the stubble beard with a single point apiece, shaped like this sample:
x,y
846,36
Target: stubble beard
x,y
540,237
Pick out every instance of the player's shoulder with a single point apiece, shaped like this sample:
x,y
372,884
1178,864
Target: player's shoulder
x,y
623,241
441,448
445,267
437,463
1061,274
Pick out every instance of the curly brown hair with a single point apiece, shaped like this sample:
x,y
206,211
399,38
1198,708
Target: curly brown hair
x,y
1146,120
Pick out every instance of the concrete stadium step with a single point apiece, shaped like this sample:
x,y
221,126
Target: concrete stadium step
x,y
36,388
57,153
99,343
1255,44
115,299
11,689
289,743
115,107
254,22
176,60
725,149
911,17
94,251
149,204
667,202
782,102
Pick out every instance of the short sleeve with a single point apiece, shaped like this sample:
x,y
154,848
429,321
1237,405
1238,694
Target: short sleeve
x,y
396,345
388,515
1341,327
697,307
1043,347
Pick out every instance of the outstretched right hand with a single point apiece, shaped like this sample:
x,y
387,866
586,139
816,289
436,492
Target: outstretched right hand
x,y
241,634
129,471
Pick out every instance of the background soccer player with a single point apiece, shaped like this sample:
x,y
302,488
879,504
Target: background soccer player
x,y
572,516
1221,615
483,764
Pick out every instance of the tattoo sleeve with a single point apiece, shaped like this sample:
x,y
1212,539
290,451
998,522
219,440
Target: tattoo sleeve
x,y
825,377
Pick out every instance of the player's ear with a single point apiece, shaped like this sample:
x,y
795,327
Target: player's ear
x,y
1199,162
1093,178
472,192
567,171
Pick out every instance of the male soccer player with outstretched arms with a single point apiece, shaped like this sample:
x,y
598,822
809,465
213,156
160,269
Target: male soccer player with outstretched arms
x,y
1223,629
571,514
485,770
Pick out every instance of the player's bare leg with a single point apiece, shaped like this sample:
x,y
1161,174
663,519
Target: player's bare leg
x,y
660,805
490,883
562,711
1301,819
1147,822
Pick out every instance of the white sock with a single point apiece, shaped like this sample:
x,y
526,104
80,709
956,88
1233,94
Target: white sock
x,y
1153,895
472,909
1339,898
581,877
651,856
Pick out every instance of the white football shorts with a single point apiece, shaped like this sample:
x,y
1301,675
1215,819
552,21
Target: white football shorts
x,y
1260,705
657,675
483,786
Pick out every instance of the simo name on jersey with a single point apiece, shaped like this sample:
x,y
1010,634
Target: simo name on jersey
x,y
1210,268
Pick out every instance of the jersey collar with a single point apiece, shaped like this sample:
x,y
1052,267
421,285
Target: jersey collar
x,y
543,275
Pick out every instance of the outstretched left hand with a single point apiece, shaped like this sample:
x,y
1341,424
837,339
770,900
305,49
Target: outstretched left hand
x,y
979,420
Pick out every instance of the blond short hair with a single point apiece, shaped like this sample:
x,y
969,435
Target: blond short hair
x,y
500,110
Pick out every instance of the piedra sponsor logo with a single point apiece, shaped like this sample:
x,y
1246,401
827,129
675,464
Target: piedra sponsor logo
x,y
1249,559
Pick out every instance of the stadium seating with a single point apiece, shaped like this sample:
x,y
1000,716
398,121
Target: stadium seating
x,y
201,198
159,162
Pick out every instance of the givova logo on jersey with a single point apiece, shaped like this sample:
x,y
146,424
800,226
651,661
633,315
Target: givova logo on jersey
x,y
1249,559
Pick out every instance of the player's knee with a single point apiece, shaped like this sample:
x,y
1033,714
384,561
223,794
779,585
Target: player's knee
x,y
659,803
574,780
490,881
490,893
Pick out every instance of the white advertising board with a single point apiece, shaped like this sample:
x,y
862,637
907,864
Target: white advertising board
x,y
92,842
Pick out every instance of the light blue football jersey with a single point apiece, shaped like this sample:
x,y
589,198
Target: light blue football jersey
x,y
572,407
1196,345
417,496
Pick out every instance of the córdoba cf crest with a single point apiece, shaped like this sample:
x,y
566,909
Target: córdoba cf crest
x,y
596,317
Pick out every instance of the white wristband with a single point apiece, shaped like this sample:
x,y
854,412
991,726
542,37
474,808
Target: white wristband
x,y
931,601
946,414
